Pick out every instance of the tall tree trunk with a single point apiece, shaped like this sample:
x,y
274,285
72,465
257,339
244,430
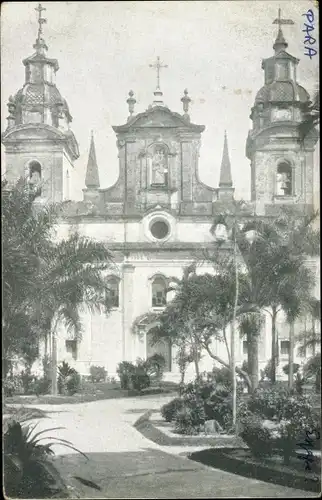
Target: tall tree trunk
x,y
252,342
314,338
232,336
291,357
196,358
274,344
53,333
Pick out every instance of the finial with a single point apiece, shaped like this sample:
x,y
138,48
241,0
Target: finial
x,y
92,134
12,112
186,101
131,101
40,44
280,42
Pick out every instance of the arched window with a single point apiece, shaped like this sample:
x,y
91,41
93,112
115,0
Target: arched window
x,y
284,179
34,175
113,291
159,292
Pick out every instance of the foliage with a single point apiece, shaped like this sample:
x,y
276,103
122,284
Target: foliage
x,y
28,468
98,373
47,280
68,379
125,370
256,436
140,378
201,400
286,368
136,376
169,410
313,369
267,372
275,419
12,385
191,417
155,366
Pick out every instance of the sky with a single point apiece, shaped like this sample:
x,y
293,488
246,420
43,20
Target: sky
x,y
104,49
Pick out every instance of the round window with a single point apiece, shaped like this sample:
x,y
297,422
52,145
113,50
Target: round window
x,y
159,229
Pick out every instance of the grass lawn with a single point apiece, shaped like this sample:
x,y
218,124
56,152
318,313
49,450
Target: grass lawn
x,y
92,392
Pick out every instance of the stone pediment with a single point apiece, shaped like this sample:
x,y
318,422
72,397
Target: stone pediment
x,y
39,132
159,117
31,131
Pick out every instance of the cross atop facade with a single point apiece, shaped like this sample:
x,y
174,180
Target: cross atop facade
x,y
41,20
158,65
280,21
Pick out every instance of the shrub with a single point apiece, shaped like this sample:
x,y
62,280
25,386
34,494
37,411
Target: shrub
x,y
27,380
190,418
256,436
267,373
169,410
134,376
219,406
98,373
268,403
68,379
41,386
13,385
278,419
286,368
155,366
28,469
139,378
125,370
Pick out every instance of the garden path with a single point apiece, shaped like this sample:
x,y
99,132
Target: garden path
x,y
127,465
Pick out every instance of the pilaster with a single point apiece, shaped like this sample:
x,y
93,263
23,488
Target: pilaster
x,y
127,309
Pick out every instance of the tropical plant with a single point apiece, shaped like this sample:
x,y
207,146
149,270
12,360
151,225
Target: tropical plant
x,y
125,370
98,373
29,471
68,379
286,368
169,410
46,281
312,368
155,366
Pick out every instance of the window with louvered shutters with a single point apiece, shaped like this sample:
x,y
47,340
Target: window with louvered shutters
x,y
159,295
113,292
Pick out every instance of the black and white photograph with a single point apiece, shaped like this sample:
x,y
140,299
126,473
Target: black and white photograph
x,y
161,320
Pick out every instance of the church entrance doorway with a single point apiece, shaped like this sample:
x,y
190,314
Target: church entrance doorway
x,y
163,347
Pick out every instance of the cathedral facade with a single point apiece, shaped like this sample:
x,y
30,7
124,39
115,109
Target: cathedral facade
x,y
158,214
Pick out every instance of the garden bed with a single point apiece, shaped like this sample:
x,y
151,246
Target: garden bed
x,y
90,392
161,432
272,470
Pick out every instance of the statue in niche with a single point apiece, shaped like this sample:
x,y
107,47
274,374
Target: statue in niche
x,y
284,182
35,177
159,168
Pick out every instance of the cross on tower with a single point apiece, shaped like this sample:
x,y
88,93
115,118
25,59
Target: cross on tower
x,y
280,21
158,65
41,20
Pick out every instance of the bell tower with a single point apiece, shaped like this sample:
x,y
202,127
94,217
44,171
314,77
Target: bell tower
x,y
39,144
278,146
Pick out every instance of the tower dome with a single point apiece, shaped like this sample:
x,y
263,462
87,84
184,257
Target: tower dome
x,y
39,100
282,91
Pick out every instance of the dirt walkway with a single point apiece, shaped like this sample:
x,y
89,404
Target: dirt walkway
x,y
127,465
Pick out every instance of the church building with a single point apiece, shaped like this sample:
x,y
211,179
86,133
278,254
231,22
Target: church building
x,y
158,214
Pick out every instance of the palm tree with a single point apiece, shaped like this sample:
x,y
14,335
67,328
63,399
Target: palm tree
x,y
310,340
280,279
53,280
